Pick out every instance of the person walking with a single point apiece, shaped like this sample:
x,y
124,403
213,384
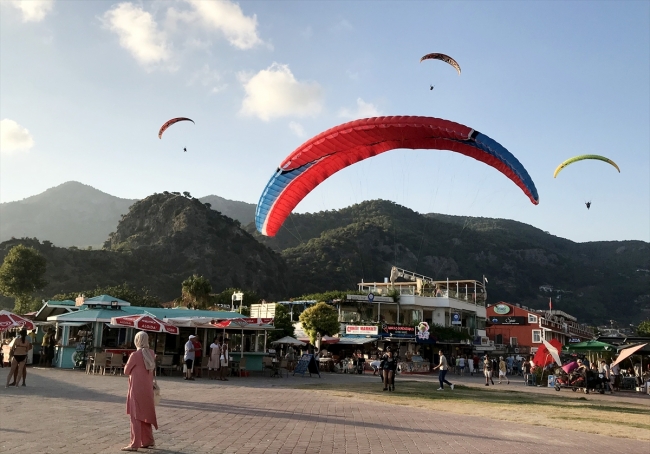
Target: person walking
x,y
503,370
389,366
616,376
189,357
470,365
444,367
487,370
475,360
461,365
140,401
18,351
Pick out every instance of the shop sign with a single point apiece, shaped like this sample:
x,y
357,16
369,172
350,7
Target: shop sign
x,y
398,330
455,319
369,299
368,330
501,309
509,320
574,340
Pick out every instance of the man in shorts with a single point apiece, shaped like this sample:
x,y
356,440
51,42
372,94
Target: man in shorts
x,y
503,370
189,358
487,370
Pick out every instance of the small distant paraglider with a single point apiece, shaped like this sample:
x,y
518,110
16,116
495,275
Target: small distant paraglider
x,y
581,158
588,204
431,87
167,124
185,150
442,57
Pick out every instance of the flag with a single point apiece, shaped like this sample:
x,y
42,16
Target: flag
x,y
550,304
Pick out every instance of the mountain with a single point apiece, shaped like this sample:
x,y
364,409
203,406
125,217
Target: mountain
x,y
240,211
161,241
71,214
75,214
594,281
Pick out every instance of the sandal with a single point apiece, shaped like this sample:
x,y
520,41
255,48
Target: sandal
x,y
128,448
151,446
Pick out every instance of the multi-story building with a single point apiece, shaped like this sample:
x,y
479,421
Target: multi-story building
x,y
518,329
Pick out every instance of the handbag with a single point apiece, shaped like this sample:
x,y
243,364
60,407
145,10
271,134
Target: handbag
x,y
156,392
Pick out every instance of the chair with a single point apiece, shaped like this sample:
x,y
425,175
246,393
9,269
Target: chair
x,y
165,362
99,363
240,366
115,363
283,367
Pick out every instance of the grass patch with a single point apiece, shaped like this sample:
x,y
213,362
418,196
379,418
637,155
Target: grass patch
x,y
579,414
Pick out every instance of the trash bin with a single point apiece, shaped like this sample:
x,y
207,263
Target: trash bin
x,y
551,381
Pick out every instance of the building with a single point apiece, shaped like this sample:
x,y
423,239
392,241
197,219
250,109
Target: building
x,y
516,329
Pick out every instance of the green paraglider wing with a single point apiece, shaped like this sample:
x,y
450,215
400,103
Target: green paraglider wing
x,y
582,157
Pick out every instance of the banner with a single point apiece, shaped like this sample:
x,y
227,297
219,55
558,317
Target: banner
x,y
455,319
398,331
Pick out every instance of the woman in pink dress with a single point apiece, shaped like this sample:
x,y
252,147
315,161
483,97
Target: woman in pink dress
x,y
139,401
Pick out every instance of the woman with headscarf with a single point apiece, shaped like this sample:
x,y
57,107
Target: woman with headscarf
x,y
140,401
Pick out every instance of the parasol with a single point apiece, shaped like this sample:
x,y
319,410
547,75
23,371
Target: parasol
x,y
145,322
10,320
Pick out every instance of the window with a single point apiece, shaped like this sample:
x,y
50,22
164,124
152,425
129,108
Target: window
x,y
537,336
513,341
532,318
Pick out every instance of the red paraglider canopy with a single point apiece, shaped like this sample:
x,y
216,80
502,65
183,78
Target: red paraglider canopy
x,y
168,123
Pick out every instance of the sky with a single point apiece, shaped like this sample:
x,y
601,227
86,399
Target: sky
x,y
85,86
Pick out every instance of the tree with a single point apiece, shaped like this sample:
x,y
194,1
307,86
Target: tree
x,y
644,328
320,318
21,274
196,291
282,323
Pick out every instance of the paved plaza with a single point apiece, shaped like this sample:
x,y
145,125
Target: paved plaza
x,y
71,412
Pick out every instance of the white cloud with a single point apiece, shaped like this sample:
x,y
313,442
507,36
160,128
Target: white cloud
x,y
138,32
33,10
275,92
227,17
363,110
297,129
14,137
207,77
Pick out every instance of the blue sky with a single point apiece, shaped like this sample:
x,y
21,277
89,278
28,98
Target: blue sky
x,y
84,87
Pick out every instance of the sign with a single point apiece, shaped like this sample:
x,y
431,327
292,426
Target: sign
x,y
501,309
423,335
368,330
366,298
371,297
307,363
574,340
455,319
508,320
398,331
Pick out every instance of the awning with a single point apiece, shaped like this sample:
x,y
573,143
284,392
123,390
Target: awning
x,y
356,340
73,323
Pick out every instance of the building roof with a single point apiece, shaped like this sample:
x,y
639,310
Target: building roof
x,y
86,314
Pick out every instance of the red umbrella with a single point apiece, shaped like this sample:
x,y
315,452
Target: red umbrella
x,y
543,357
10,320
145,322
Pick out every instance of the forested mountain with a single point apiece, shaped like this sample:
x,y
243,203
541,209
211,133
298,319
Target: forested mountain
x,y
164,239
595,281
75,214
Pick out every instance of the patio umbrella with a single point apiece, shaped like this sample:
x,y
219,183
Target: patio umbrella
x,y
590,346
544,356
145,322
10,320
553,350
288,340
627,352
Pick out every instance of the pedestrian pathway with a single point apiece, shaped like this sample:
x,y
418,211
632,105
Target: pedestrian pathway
x,y
69,411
